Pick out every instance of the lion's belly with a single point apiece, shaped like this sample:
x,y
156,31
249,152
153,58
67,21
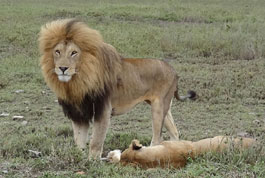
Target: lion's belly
x,y
121,110
123,107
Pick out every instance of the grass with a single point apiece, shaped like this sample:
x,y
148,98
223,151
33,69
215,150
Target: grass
x,y
217,47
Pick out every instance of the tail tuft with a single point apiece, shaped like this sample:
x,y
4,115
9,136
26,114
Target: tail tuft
x,y
192,94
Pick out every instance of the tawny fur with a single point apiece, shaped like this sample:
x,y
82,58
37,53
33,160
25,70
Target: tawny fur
x,y
105,82
175,153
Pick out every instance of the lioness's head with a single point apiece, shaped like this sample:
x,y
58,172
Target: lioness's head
x,y
66,56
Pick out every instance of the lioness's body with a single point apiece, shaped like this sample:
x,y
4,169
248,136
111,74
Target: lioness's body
x,y
175,153
93,81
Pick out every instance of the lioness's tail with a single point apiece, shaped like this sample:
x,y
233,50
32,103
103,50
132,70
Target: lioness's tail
x,y
190,94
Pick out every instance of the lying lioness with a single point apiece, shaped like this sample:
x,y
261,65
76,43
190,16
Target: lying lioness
x,y
174,153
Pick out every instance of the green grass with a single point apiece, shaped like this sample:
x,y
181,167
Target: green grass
x,y
217,47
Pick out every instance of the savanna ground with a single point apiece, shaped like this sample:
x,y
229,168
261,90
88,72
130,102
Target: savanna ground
x,y
217,47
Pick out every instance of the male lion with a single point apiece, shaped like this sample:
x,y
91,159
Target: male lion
x,y
93,82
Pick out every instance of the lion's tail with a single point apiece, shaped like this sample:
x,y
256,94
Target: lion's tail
x,y
190,94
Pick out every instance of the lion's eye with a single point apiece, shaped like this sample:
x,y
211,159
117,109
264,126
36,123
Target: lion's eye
x,y
73,53
57,52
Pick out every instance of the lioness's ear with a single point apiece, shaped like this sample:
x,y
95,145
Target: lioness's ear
x,y
136,145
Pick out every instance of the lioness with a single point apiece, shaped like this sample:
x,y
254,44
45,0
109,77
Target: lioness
x,y
174,153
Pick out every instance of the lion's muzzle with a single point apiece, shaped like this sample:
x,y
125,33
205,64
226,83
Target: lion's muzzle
x,y
63,73
64,78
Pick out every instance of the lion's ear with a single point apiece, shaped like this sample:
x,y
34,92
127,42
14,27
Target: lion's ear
x,y
136,145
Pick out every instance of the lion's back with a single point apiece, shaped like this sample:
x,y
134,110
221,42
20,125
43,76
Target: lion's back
x,y
149,68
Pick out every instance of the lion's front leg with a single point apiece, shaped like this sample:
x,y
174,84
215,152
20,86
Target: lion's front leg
x,y
80,133
99,131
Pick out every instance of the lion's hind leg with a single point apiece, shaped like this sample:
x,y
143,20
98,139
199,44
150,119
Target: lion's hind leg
x,y
161,114
169,121
157,121
170,126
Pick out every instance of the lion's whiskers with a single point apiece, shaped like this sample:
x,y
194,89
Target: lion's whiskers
x,y
76,71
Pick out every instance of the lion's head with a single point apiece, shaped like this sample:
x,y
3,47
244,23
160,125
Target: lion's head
x,y
75,61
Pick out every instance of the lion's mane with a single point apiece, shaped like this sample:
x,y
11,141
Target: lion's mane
x,y
96,76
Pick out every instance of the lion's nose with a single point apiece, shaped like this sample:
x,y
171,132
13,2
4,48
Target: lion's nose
x,y
63,69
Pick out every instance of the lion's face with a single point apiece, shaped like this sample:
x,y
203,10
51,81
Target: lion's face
x,y
66,57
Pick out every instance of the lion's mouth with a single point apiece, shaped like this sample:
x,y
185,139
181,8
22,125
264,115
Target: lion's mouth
x,y
64,78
